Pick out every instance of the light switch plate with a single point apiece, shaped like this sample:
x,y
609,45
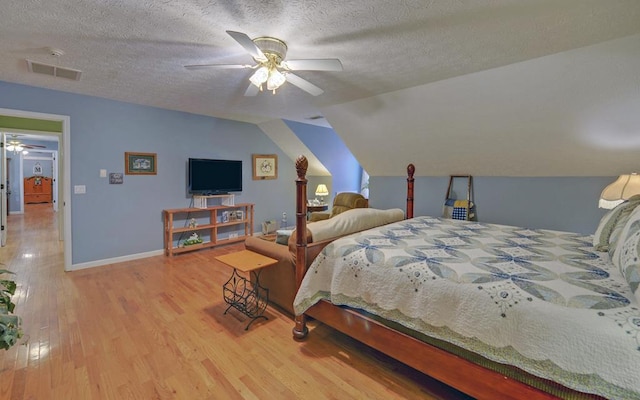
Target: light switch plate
x,y
79,189
103,173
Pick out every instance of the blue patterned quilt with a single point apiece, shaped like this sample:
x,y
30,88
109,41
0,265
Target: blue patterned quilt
x,y
541,300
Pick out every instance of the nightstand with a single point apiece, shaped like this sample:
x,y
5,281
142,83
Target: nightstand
x,y
322,207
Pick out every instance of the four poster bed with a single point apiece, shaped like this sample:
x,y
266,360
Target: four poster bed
x,y
461,268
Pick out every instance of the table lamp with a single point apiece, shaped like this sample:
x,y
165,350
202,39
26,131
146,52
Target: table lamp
x,y
622,189
322,191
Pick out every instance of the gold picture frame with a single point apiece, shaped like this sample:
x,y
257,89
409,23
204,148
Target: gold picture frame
x,y
140,163
265,166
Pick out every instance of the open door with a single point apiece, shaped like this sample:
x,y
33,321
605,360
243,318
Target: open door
x,y
63,200
4,205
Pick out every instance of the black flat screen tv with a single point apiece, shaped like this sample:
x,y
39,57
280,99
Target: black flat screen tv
x,y
208,177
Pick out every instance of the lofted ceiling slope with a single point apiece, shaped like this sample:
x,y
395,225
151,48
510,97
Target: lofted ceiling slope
x,y
569,114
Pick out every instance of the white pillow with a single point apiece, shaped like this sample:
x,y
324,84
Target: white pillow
x,y
613,220
351,221
601,236
626,255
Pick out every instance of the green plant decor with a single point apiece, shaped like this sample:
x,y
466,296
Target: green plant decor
x,y
10,324
193,239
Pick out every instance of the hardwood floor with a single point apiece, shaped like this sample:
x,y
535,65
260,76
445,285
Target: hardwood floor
x,y
154,329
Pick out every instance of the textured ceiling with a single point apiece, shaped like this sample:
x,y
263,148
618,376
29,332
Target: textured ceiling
x,y
134,50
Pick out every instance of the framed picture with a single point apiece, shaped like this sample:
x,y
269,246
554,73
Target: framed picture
x,y
37,169
239,215
115,178
265,166
225,216
140,163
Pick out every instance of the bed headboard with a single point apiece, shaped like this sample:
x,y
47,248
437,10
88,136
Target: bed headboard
x,y
302,164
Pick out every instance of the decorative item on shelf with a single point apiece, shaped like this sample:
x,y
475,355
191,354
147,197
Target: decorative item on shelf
x,y
322,191
193,223
619,191
268,227
193,239
283,222
225,216
140,163
265,166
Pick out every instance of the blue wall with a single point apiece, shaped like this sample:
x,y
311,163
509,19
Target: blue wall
x,y
118,220
329,148
560,203
45,165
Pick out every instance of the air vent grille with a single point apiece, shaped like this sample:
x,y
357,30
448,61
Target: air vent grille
x,y
52,70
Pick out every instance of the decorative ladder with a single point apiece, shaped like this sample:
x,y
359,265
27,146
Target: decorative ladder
x,y
470,214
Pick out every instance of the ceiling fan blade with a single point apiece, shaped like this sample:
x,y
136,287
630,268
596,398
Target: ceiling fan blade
x,y
252,90
218,66
246,42
304,84
326,64
33,146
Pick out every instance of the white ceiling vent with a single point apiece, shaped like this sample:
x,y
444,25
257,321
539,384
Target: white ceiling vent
x,y
59,72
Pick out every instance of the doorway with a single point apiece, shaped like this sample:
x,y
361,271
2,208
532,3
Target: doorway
x,y
64,176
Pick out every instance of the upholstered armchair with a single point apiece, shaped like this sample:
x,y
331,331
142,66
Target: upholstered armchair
x,y
341,203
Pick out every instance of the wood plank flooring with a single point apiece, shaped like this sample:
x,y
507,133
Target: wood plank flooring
x,y
154,329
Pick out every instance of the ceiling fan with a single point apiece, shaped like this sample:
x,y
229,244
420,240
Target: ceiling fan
x,y
271,68
16,146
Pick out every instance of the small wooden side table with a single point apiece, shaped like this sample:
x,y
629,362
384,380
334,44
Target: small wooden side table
x,y
322,207
249,298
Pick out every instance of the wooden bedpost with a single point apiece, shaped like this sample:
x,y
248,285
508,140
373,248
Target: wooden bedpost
x,y
300,330
411,169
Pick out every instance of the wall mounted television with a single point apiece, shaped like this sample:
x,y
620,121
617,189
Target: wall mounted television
x,y
209,177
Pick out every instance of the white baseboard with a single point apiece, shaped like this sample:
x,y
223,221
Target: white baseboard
x,y
98,263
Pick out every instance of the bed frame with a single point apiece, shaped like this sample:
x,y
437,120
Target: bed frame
x,y
455,371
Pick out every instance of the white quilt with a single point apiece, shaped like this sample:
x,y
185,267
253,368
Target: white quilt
x,y
541,300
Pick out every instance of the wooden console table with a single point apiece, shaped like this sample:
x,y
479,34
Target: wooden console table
x,y
216,224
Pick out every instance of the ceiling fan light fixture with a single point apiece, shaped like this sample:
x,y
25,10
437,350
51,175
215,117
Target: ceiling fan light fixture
x,y
276,79
271,68
260,76
15,147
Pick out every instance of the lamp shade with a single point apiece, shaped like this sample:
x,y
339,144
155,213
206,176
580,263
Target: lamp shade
x,y
275,80
260,76
322,190
622,189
